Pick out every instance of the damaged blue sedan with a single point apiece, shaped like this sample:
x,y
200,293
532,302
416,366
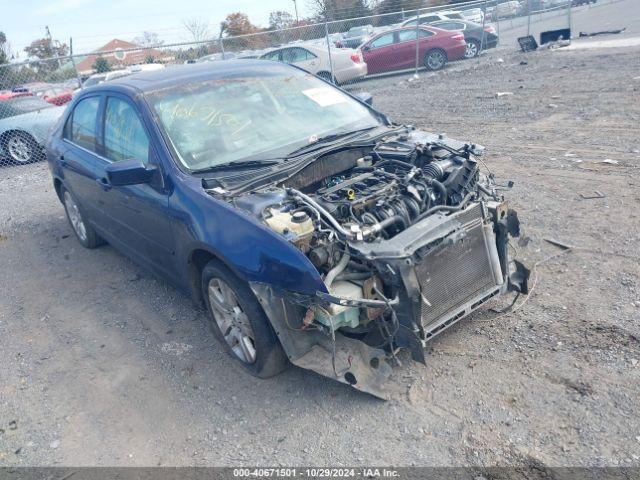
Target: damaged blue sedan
x,y
315,230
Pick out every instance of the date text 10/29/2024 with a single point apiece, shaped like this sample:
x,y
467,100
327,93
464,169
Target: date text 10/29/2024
x,y
315,472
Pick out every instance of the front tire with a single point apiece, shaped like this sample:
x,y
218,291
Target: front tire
x,y
85,233
21,148
239,323
435,59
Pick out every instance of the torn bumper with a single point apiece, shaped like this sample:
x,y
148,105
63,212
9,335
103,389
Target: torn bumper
x,y
439,271
336,356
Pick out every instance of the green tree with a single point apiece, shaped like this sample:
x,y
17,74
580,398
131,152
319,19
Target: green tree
x,y
47,48
149,59
339,9
5,49
101,65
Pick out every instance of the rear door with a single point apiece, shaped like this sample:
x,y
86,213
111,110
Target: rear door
x,y
80,162
405,48
378,53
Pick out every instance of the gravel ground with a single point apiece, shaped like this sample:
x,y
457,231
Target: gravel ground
x,y
102,364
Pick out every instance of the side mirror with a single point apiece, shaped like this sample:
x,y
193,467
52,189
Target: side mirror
x,y
366,48
365,97
129,172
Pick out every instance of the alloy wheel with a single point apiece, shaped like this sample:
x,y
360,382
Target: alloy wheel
x,y
231,320
471,51
19,149
435,60
75,217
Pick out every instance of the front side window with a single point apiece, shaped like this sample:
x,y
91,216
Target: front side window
x,y
124,135
382,41
81,128
261,114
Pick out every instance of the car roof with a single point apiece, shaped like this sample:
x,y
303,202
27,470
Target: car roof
x,y
181,74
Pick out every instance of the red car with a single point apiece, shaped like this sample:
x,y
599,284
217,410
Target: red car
x,y
396,49
56,95
9,94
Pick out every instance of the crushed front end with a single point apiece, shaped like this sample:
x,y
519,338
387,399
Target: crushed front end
x,y
408,235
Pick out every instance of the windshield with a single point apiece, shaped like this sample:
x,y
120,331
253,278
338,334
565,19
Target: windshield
x,y
262,115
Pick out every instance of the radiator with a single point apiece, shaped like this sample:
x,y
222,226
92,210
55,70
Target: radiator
x,y
461,268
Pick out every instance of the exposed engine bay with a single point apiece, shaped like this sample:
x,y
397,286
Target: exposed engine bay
x,y
408,235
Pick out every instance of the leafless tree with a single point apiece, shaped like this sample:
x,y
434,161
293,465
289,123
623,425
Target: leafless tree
x,y
148,39
198,29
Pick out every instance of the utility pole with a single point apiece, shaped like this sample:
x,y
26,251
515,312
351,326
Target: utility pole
x,y
50,39
295,5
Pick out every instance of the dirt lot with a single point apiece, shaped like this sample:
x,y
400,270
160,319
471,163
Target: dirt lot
x,y
102,364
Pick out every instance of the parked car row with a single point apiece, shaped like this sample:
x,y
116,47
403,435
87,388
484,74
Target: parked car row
x,y
28,112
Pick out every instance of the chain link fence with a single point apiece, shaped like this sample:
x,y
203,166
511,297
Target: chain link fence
x,y
33,94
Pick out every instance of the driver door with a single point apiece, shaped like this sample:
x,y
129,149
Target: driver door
x,y
138,214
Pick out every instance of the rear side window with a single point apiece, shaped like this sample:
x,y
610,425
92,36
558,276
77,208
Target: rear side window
x,y
272,55
124,135
294,55
81,126
406,35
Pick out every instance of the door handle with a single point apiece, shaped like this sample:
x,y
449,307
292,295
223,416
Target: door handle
x,y
103,183
63,162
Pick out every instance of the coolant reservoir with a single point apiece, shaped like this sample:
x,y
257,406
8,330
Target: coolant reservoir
x,y
299,223
337,316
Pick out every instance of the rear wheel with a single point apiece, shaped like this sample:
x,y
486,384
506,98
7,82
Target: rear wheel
x,y
435,59
21,148
473,49
238,321
87,236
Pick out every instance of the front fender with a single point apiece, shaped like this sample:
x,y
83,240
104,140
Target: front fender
x,y
252,251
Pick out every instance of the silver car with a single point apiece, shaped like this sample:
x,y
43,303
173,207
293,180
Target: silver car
x,y
25,123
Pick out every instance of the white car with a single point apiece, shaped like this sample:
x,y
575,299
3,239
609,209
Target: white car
x,y
475,15
434,17
347,63
507,9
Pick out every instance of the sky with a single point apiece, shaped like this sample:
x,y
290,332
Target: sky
x,y
92,23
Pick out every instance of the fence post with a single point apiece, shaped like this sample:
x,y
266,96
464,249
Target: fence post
x,y
73,62
569,16
484,33
528,17
222,47
497,23
415,74
326,34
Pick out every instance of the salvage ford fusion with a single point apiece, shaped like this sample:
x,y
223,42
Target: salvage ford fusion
x,y
314,229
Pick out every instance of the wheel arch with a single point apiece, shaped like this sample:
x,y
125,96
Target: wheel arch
x,y
58,186
7,133
196,261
